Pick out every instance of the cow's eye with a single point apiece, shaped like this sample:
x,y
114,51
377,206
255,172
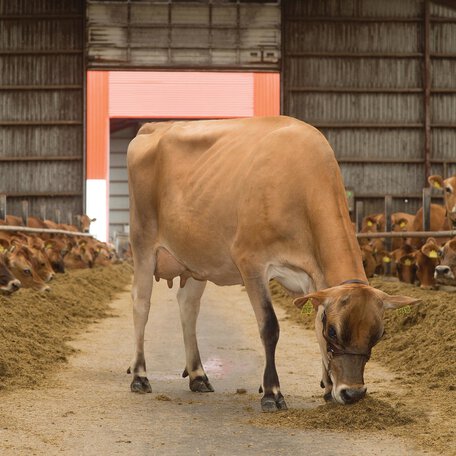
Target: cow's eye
x,y
332,332
448,189
27,272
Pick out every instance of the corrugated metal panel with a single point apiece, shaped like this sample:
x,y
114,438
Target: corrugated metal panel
x,y
350,8
41,104
318,108
208,34
180,94
377,143
355,69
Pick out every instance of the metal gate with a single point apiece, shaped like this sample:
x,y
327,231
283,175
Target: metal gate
x,y
41,105
379,80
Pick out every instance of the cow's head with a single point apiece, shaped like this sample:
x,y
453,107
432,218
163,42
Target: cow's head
x,y
427,259
348,324
19,260
446,271
8,283
448,186
84,222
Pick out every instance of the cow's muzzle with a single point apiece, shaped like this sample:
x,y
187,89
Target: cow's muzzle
x,y
352,395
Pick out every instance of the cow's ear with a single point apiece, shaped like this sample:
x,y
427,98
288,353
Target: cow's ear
x,y
398,301
430,249
436,182
452,244
315,299
93,220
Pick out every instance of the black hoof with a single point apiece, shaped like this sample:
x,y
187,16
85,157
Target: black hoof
x,y
140,385
201,385
273,403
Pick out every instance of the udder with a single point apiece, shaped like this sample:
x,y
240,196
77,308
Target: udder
x,y
168,267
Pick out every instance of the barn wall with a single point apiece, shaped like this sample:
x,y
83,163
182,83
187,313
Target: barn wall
x,y
41,105
181,34
356,70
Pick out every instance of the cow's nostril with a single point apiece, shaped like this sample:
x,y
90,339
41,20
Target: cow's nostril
x,y
350,395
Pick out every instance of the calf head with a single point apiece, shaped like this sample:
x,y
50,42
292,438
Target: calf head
x,y
369,262
448,186
446,270
348,324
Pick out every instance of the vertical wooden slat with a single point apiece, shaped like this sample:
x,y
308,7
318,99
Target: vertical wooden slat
x,y
426,209
2,206
388,226
359,215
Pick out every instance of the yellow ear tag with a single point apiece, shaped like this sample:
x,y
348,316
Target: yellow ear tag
x,y
408,262
386,259
2,249
433,254
436,185
369,223
48,246
402,224
307,308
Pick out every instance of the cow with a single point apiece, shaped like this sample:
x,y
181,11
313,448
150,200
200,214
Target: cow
x,y
427,259
448,186
438,222
405,263
243,201
8,283
84,222
445,272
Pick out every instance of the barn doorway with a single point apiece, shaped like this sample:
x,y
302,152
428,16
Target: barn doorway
x,y
118,102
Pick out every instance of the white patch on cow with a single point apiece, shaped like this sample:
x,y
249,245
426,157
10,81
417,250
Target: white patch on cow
x,y
293,280
275,390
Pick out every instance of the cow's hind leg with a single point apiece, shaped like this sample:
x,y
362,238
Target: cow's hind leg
x,y
268,326
189,298
141,293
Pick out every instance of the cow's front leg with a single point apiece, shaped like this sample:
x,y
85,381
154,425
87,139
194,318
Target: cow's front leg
x,y
189,298
268,325
141,293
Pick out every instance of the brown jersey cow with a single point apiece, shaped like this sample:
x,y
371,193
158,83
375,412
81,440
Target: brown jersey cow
x,y
243,201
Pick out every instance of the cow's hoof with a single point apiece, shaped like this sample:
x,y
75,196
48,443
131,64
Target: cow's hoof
x,y
140,385
273,404
201,385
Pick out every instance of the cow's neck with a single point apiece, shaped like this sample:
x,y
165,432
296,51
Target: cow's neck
x,y
338,253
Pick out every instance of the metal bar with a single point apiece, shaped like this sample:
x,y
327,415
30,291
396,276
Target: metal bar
x,y
396,196
359,215
388,228
84,111
427,93
46,158
70,218
39,122
25,212
139,25
407,234
426,209
58,217
41,230
3,206
43,87
379,160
